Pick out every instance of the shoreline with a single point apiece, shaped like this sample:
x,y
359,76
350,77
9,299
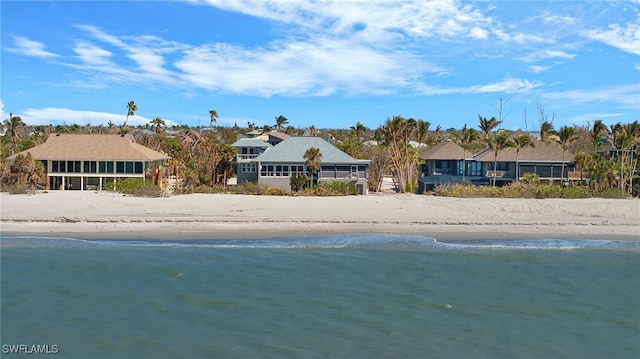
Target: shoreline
x,y
105,215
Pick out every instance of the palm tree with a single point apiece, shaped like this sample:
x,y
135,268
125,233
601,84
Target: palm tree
x,y
214,117
313,160
13,126
131,109
566,136
546,128
395,136
486,126
523,140
464,139
359,129
422,130
280,121
158,124
498,143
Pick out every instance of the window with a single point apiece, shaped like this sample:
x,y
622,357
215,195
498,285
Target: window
x,y
138,167
119,167
90,167
277,170
105,167
247,167
128,167
500,166
476,169
62,166
297,169
54,166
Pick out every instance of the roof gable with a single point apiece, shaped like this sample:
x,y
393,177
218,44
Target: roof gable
x,y
251,142
93,147
445,150
292,150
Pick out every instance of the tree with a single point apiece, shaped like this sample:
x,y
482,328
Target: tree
x,y
29,171
13,126
486,126
358,130
422,131
297,181
213,117
313,160
157,124
395,135
464,140
280,121
498,143
566,135
131,109
523,140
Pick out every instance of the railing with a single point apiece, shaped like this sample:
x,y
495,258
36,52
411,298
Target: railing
x,y
247,156
500,174
578,175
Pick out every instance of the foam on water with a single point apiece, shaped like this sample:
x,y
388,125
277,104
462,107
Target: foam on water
x,y
362,241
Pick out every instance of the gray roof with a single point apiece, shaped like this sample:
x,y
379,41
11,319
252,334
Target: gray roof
x,y
444,151
292,150
542,152
251,142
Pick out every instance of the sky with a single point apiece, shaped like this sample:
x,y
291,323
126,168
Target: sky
x,y
328,64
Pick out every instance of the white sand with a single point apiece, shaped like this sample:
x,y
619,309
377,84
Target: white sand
x,y
204,216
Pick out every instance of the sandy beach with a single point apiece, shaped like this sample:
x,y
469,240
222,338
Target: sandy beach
x,y
104,215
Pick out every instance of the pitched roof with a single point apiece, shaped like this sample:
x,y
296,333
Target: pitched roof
x,y
542,152
92,147
444,151
292,150
277,134
251,142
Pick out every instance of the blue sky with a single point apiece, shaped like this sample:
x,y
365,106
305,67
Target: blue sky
x,y
322,63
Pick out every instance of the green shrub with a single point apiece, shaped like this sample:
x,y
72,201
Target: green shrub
x,y
331,188
16,188
530,189
136,187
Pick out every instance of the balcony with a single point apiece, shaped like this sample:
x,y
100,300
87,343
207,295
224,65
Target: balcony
x,y
247,156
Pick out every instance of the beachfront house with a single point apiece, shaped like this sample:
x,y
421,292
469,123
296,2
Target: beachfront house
x,y
443,164
92,161
545,160
277,164
247,150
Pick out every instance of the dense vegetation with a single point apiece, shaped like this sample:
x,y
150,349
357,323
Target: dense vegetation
x,y
201,157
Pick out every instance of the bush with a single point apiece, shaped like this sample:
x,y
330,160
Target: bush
x,y
331,188
136,187
530,189
16,188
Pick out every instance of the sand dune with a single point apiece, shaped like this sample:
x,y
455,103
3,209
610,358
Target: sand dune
x,y
207,216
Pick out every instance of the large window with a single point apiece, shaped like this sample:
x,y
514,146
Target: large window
x,y
90,167
247,167
66,166
500,166
105,167
277,170
476,169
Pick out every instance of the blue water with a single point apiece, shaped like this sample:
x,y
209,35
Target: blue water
x,y
356,296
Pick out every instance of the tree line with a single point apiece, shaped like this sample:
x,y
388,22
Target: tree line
x,y
607,155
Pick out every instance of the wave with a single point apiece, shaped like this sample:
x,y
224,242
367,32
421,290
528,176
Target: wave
x,y
362,241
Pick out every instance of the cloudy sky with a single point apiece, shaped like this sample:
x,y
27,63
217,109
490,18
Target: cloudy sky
x,y
321,63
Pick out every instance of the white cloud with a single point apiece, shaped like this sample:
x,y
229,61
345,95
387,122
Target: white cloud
x,y
539,69
548,54
55,115
624,37
627,95
29,47
506,86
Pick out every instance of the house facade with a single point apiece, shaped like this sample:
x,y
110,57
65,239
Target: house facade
x,y
444,164
93,161
277,164
247,150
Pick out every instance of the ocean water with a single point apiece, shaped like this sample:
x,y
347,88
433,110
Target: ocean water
x,y
356,296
